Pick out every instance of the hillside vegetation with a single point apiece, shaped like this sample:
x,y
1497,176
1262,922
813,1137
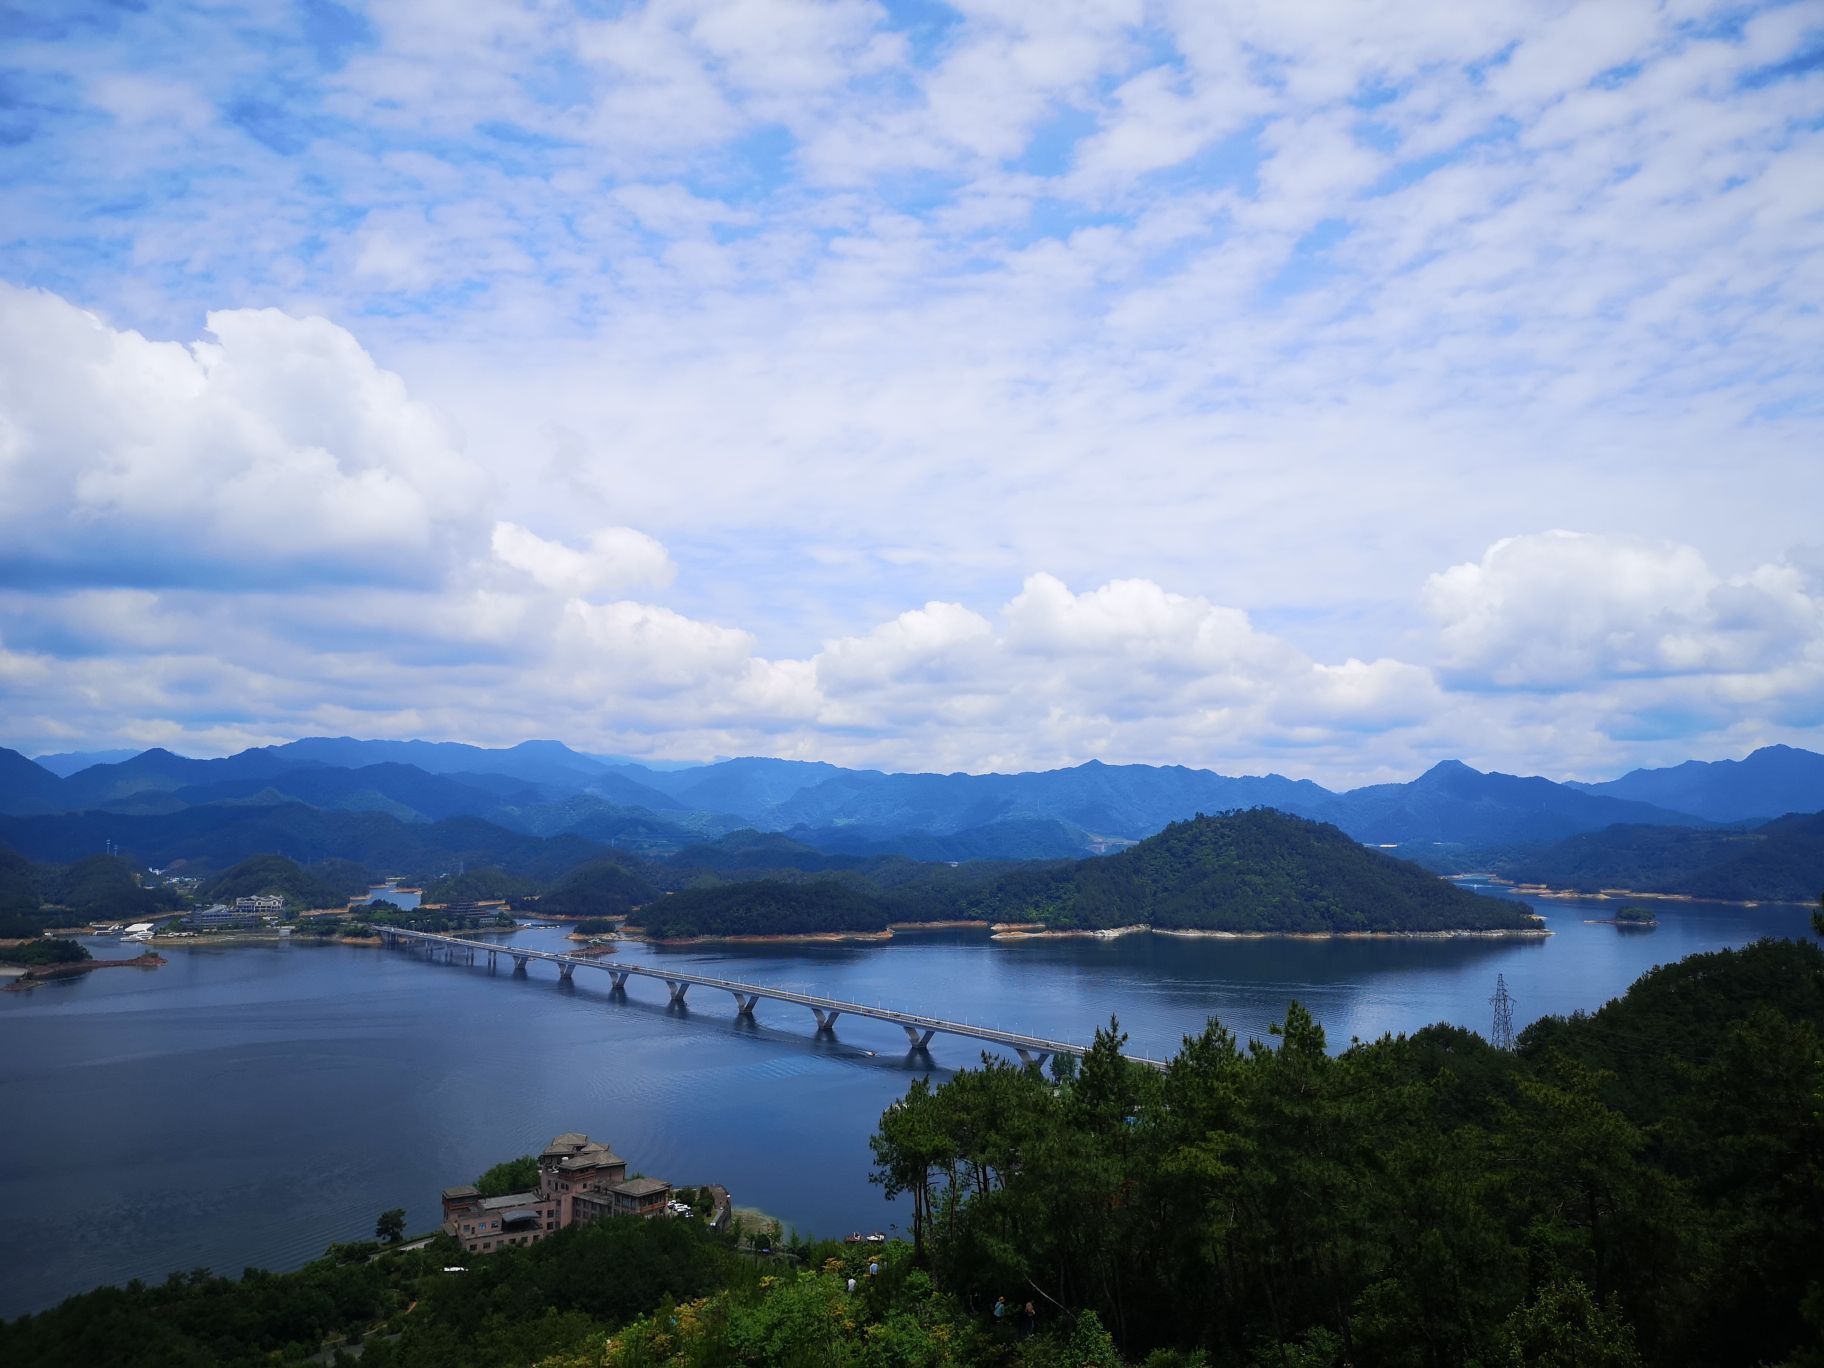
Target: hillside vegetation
x,y
105,888
1780,861
601,888
328,883
19,897
1257,870
766,907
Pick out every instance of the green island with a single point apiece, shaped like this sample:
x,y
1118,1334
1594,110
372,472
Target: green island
x,y
1244,872
1637,1185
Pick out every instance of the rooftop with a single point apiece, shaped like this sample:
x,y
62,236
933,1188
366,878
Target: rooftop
x,y
591,1156
641,1187
511,1200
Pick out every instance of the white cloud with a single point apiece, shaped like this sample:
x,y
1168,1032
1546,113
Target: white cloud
x,y
615,558
279,444
1568,610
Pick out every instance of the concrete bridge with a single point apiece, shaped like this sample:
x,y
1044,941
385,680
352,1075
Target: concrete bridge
x,y
1032,1050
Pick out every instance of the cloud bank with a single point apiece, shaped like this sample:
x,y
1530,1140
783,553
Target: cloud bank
x,y
1217,378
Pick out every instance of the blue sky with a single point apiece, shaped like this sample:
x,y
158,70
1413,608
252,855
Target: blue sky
x,y
1328,388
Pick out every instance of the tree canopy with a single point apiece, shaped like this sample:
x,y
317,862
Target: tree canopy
x,y
764,907
1254,870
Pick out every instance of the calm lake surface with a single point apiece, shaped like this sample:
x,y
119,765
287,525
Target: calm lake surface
x,y
248,1106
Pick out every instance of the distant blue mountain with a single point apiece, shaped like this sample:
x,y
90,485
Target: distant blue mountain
x,y
545,788
160,769
750,787
1127,801
1455,804
26,787
65,763
1771,782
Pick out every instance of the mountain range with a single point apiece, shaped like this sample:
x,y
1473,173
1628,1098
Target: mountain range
x,y
288,795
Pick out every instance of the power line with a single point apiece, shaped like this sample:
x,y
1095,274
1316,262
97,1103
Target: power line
x,y
1503,1035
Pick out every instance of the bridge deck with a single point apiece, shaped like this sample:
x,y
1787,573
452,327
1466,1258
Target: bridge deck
x,y
824,1007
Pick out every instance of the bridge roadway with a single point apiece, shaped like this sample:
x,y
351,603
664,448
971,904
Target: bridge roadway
x,y
1032,1050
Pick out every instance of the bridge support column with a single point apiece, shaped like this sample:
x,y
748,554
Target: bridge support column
x,y
519,963
1032,1059
919,1040
564,969
826,1020
493,958
744,1003
678,989
620,980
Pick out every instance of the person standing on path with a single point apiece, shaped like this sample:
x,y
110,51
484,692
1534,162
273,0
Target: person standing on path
x,y
1029,1320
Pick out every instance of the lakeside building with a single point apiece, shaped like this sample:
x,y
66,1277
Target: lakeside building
x,y
261,905
579,1180
218,917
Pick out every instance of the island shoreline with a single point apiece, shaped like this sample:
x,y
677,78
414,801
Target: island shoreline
x,y
1010,932
1528,890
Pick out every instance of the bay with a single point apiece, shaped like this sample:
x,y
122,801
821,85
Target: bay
x,y
247,1106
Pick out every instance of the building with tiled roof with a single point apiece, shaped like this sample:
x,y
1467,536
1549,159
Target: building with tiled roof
x,y
579,1179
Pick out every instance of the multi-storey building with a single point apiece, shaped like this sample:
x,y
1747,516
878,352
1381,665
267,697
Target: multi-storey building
x,y
579,1179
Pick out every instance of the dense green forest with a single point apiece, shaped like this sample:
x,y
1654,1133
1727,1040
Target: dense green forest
x,y
765,907
1656,1168
20,899
601,888
1776,862
1257,870
327,883
487,884
48,950
103,888
1640,1185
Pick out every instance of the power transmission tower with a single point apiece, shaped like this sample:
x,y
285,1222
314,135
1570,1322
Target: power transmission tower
x,y
1503,1036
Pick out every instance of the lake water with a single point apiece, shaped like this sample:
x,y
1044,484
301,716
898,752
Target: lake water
x,y
248,1106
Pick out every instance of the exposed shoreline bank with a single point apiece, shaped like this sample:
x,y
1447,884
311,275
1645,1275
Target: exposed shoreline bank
x,y
803,938
1014,931
49,973
1527,890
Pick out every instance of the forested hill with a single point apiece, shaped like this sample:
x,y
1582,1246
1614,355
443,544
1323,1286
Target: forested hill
x,y
1257,870
1781,861
764,907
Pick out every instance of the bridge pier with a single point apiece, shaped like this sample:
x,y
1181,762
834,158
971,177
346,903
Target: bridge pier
x,y
1034,1051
